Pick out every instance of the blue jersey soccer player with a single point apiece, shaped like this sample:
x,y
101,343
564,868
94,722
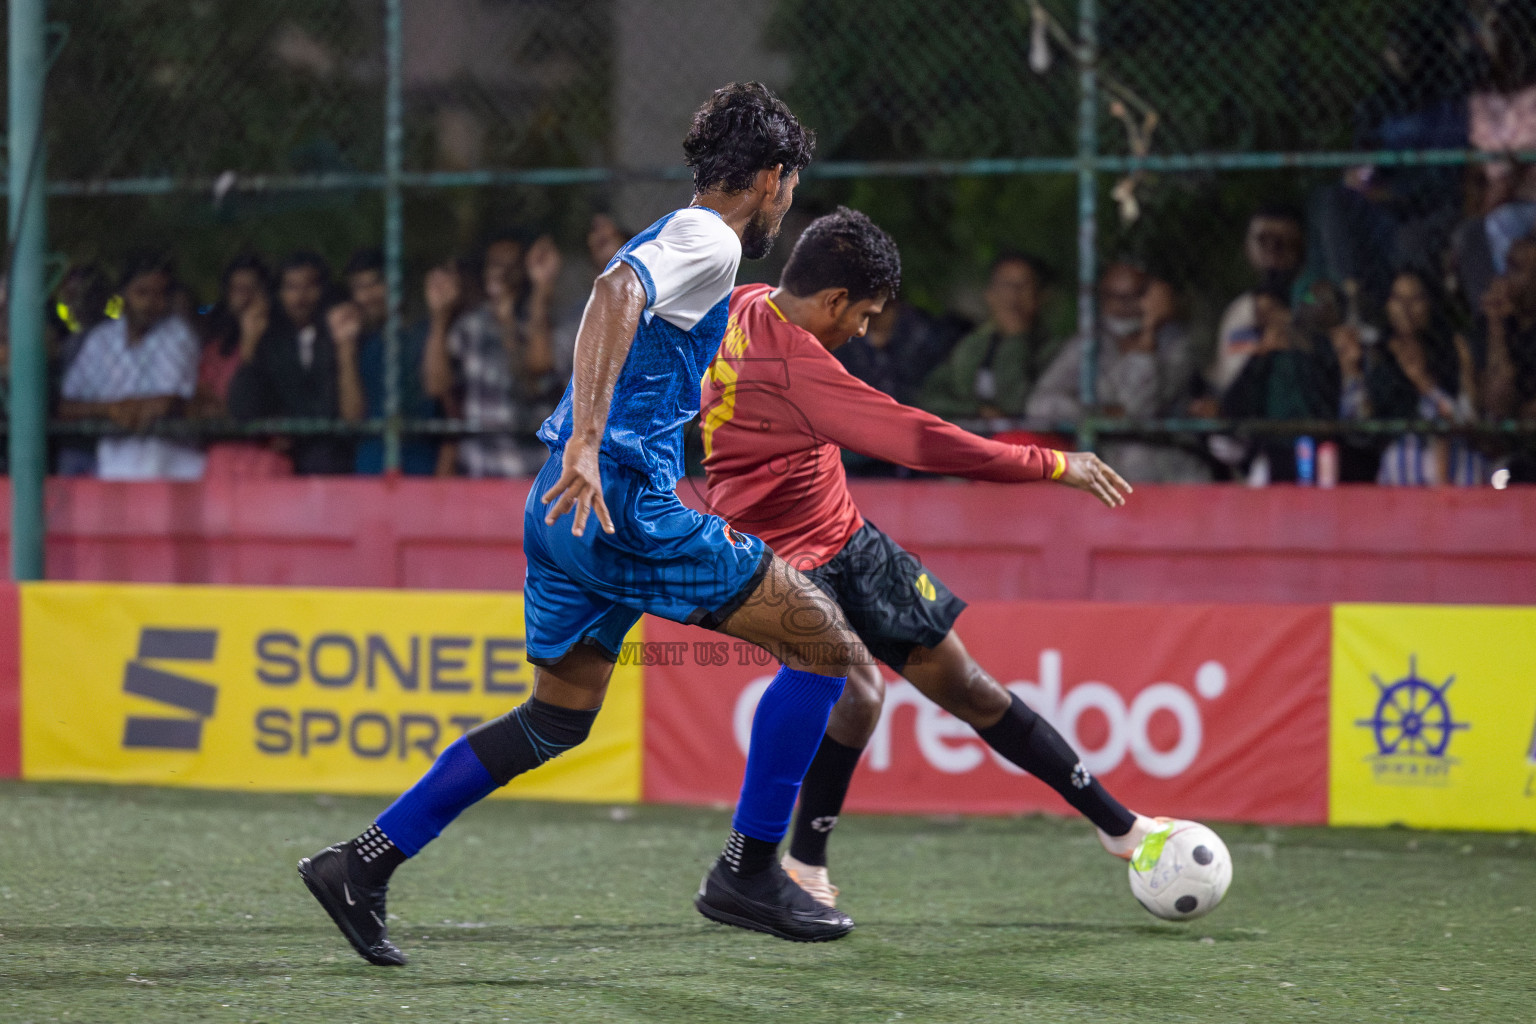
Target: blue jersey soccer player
x,y
651,327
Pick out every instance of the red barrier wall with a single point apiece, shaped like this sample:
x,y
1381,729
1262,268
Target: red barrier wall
x,y
1224,544
987,541
1200,711
364,532
10,681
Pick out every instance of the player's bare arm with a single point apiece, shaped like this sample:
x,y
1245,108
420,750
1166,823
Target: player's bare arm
x,y
602,344
1085,471
607,331
830,293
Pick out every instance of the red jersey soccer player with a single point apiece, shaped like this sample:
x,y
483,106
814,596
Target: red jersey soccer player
x,y
776,410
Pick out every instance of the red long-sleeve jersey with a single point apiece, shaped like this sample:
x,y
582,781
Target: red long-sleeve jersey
x,y
776,408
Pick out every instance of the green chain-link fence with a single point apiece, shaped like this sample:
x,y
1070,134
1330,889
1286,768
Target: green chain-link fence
x,y
1389,135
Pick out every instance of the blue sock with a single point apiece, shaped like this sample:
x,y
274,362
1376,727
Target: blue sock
x,y
786,732
456,780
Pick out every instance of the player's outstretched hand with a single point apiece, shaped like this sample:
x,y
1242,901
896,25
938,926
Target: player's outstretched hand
x,y
580,485
1087,472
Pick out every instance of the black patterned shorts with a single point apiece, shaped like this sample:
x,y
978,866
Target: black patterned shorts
x,y
892,602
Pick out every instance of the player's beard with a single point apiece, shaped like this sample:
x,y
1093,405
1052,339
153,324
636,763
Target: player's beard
x,y
760,234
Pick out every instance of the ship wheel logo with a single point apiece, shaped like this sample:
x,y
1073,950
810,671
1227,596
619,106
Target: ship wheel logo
x,y
1412,717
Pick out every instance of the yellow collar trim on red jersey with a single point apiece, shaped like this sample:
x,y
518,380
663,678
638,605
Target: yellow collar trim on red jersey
x,y
777,312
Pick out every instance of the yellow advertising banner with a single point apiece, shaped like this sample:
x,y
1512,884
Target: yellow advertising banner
x,y
1433,718
339,691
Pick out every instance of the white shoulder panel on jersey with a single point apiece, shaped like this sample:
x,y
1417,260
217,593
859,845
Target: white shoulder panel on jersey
x,y
688,267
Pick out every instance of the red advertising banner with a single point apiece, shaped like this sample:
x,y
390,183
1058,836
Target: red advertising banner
x,y
1202,711
10,681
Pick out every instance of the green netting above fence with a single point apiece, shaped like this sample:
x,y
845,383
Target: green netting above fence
x,y
195,88
147,88
1250,75
1085,131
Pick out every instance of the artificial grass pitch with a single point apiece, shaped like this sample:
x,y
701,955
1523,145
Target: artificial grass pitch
x,y
122,904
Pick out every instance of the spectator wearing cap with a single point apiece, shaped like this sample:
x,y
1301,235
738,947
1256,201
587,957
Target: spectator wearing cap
x,y
990,371
134,371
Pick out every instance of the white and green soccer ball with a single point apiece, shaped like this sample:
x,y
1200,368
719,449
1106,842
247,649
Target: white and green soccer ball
x,y
1181,871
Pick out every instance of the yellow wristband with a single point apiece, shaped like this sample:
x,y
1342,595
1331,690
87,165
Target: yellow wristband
x,y
1061,464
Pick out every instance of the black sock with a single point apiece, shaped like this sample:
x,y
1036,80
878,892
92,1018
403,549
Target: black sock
x,y
527,736
1030,742
746,856
821,800
374,857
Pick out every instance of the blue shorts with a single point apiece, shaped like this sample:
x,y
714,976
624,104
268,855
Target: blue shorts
x,y
663,558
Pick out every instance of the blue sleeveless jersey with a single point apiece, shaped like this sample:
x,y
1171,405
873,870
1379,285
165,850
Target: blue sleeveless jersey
x,y
687,261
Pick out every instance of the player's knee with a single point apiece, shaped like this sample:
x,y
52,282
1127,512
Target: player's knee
x,y
974,697
857,711
829,655
841,653
527,736
819,637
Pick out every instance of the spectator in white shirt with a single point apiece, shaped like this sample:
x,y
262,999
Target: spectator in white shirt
x,y
134,371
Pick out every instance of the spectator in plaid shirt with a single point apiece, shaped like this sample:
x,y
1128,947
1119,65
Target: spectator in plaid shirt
x,y
134,371
493,368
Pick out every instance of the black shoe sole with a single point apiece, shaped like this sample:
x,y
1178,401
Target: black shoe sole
x,y
324,898
723,917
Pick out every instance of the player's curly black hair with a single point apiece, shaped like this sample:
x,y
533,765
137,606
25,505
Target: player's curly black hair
x,y
744,128
844,249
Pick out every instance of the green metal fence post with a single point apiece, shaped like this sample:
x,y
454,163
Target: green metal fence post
x,y
27,233
1087,207
394,241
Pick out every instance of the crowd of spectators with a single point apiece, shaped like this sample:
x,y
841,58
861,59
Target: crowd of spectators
x,y
1298,345
298,344
1433,346
1392,295
491,352
493,349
